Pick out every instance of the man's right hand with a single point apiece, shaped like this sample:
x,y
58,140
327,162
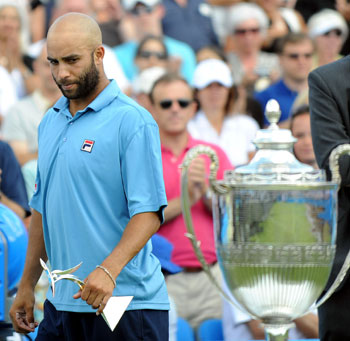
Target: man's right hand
x,y
22,312
197,185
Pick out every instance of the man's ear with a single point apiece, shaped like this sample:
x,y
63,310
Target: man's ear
x,y
99,54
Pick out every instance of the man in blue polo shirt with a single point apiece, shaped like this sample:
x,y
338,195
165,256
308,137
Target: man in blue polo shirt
x,y
99,198
295,55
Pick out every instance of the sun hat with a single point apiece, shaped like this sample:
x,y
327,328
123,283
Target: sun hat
x,y
327,20
212,71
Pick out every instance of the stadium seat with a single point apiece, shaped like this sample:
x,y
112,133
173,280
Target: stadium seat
x,y
184,330
210,330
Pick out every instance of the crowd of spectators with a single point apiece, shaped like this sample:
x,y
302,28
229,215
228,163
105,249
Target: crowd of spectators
x,y
214,63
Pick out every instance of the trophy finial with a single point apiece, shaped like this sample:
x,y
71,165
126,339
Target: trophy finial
x,y
273,113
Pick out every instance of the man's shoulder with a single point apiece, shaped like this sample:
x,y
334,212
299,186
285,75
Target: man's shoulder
x,y
332,69
272,90
132,113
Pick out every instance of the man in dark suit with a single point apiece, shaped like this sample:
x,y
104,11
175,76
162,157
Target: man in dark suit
x,y
330,126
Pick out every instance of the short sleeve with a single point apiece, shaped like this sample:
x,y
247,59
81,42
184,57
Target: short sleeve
x,y
142,172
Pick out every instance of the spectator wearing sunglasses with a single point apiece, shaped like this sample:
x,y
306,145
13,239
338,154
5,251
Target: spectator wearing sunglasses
x,y
329,31
195,297
214,122
282,20
295,54
246,28
146,17
151,52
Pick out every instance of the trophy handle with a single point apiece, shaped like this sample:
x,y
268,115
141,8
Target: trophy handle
x,y
186,207
343,149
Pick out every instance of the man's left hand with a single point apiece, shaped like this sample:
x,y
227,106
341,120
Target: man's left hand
x,y
97,290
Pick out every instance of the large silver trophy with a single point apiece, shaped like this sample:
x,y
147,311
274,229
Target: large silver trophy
x,y
274,227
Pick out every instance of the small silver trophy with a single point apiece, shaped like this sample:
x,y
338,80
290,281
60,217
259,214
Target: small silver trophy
x,y
115,306
274,227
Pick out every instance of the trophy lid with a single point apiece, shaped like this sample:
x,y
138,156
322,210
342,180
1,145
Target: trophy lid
x,y
274,160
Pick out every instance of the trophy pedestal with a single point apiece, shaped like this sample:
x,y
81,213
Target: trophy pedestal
x,y
278,332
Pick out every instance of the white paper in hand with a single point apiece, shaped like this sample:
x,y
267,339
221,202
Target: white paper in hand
x,y
115,309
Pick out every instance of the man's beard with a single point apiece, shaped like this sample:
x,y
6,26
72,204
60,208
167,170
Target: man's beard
x,y
86,83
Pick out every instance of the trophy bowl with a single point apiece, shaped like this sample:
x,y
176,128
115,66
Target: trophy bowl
x,y
276,247
274,227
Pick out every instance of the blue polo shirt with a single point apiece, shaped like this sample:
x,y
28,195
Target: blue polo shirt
x,y
95,171
282,94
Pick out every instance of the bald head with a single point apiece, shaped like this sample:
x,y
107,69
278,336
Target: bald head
x,y
77,27
75,53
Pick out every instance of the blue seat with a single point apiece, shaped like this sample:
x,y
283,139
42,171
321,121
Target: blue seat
x,y
210,330
184,330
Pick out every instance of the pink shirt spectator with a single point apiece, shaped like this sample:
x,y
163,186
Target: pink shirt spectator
x,y
183,254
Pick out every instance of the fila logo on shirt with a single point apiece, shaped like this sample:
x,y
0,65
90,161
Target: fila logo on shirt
x,y
87,146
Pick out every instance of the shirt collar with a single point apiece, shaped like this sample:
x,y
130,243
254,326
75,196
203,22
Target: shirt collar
x,y
107,95
190,143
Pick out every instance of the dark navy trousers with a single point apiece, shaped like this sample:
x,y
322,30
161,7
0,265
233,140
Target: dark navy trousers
x,y
147,325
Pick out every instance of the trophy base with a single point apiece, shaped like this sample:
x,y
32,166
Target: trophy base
x,y
277,329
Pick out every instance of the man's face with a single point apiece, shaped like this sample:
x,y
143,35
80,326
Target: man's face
x,y
213,97
247,36
73,68
296,60
173,107
301,130
145,16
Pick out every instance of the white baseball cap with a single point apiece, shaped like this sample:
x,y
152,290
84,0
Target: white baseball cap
x,y
325,21
130,4
212,71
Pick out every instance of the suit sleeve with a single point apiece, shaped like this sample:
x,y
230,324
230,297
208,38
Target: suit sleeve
x,y
328,125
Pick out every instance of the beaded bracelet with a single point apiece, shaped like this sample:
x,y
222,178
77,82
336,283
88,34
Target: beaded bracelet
x,y
108,273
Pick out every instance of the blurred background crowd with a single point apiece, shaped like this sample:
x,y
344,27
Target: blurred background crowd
x,y
234,56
